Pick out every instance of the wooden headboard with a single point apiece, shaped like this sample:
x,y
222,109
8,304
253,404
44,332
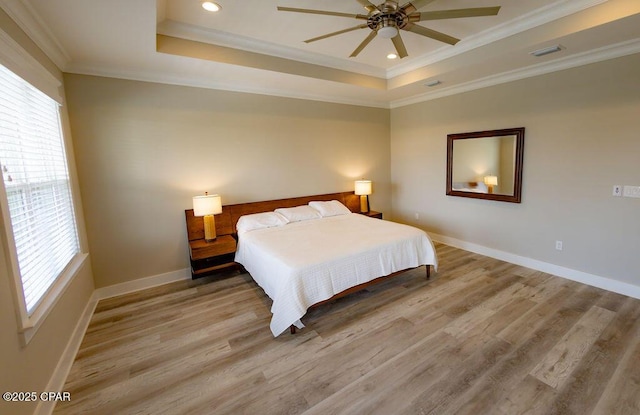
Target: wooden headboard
x,y
226,221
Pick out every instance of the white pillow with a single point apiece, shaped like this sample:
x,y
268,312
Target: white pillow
x,y
331,208
254,221
299,213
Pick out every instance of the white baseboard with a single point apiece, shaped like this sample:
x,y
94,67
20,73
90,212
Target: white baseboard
x,y
57,380
142,283
568,273
59,377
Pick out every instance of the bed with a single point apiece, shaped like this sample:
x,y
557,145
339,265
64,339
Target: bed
x,y
304,261
475,187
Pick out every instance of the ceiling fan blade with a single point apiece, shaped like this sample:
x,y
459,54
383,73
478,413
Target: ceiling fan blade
x,y
328,13
431,33
414,5
370,7
363,44
339,32
399,45
455,14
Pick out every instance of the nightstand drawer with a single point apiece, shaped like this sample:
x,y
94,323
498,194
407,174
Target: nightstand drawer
x,y
222,245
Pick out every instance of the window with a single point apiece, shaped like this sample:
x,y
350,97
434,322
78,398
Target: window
x,y
37,192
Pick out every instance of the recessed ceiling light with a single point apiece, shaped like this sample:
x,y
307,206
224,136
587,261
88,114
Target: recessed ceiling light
x,y
392,56
433,83
210,6
546,51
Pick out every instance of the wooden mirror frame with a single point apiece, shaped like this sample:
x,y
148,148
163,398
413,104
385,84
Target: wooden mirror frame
x,y
517,180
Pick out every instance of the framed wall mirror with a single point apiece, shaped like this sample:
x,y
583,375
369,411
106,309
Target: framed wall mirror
x,y
486,164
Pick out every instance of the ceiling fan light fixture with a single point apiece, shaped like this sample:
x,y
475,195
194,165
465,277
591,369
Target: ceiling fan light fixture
x,y
388,32
387,27
211,6
388,18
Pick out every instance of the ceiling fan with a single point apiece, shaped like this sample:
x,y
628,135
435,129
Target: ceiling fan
x,y
387,19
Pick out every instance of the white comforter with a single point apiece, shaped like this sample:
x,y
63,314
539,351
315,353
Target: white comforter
x,y
306,262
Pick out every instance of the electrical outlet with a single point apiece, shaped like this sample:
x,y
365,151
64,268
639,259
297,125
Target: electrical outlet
x,y
631,191
617,190
559,245
417,216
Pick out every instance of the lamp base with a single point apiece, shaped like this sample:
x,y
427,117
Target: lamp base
x,y
209,228
364,203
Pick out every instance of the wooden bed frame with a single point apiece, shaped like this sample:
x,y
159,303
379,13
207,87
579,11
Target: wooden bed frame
x,y
227,220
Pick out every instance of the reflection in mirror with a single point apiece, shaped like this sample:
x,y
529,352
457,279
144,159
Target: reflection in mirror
x,y
486,164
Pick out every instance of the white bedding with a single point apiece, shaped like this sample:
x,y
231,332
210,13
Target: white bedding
x,y
306,262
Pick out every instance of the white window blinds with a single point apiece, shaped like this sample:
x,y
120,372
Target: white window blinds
x,y
36,181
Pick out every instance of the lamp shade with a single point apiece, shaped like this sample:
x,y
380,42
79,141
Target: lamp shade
x,y
363,187
207,205
491,180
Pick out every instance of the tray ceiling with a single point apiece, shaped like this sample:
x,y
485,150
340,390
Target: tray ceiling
x,y
253,47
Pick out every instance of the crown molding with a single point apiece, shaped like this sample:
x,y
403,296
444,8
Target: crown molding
x,y
549,13
182,47
23,14
157,77
584,58
20,62
29,21
202,34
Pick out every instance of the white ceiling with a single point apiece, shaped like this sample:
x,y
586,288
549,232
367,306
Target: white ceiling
x,y
250,46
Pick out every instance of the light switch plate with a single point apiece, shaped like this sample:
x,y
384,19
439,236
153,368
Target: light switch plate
x,y
631,191
617,190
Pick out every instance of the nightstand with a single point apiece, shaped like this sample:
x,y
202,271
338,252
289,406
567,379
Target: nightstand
x,y
373,214
207,257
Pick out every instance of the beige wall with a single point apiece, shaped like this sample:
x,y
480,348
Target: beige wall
x,y
30,368
581,138
144,149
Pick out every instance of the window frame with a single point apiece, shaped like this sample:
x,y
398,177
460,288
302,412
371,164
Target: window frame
x,y
22,64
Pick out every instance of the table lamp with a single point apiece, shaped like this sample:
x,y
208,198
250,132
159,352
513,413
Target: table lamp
x,y
491,181
363,189
207,206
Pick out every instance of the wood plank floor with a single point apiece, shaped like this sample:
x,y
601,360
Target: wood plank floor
x,y
481,337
